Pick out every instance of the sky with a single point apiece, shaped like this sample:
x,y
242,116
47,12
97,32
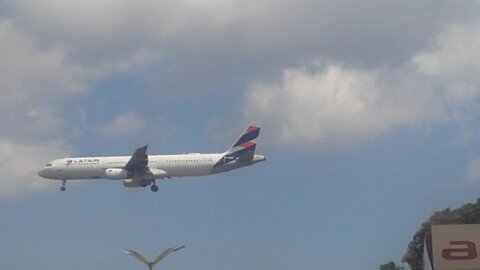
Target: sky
x,y
369,124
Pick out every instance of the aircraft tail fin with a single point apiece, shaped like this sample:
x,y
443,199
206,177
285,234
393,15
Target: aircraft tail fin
x,y
244,148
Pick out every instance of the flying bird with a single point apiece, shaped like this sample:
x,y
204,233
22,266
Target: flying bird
x,y
151,264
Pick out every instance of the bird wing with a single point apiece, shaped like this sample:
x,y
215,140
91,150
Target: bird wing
x,y
165,253
136,255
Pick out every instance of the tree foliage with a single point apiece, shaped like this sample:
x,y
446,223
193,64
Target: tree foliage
x,y
467,214
390,266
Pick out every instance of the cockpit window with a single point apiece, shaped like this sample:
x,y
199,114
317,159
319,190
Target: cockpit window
x,y
48,165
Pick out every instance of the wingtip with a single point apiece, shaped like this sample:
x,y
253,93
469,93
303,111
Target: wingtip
x,y
179,248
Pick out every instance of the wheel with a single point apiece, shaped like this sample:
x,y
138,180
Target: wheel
x,y
154,188
62,188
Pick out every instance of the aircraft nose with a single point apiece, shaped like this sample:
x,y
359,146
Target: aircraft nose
x,y
41,173
44,173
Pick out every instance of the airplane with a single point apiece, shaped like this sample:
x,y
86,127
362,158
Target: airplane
x,y
141,169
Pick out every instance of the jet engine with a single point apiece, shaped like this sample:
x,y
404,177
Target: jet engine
x,y
116,174
157,173
136,183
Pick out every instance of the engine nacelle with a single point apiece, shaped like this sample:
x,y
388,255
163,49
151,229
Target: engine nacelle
x,y
136,183
116,174
157,173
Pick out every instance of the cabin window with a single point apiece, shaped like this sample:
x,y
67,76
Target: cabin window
x,y
48,165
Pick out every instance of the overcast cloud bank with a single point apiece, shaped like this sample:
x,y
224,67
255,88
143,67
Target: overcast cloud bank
x,y
330,102
314,71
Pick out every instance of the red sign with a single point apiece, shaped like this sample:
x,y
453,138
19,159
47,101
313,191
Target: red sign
x,y
455,247
461,250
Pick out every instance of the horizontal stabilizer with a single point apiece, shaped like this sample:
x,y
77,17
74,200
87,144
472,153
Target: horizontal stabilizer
x,y
247,157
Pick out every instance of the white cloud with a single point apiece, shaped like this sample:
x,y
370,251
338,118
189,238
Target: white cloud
x,y
453,61
40,81
329,102
33,80
198,40
36,83
25,60
52,50
336,104
20,162
113,36
123,125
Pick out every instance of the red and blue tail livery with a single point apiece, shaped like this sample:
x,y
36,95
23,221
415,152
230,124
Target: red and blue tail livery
x,y
250,134
243,150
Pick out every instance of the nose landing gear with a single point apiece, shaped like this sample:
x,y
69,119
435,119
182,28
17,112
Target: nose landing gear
x,y
62,188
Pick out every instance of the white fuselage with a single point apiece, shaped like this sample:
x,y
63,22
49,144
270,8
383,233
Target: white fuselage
x,y
170,166
141,169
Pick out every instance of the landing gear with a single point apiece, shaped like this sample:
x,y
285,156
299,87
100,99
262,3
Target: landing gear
x,y
154,187
62,188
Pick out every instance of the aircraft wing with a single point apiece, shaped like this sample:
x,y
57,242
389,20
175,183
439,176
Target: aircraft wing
x,y
138,163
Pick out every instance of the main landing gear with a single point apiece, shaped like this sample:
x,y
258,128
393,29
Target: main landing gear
x,y
154,187
62,188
